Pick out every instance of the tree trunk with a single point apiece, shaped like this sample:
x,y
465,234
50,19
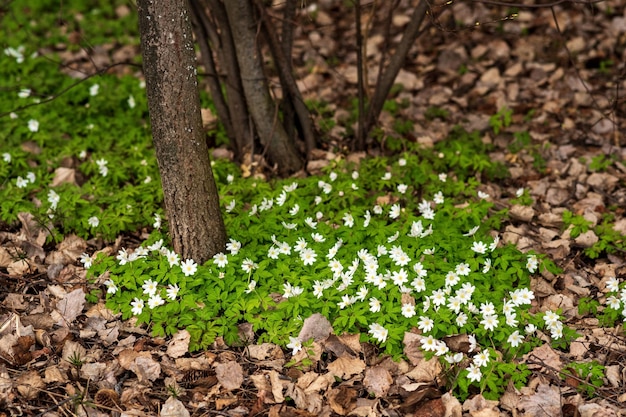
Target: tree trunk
x,y
191,200
280,147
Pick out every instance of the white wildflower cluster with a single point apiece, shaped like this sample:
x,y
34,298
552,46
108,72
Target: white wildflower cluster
x,y
617,298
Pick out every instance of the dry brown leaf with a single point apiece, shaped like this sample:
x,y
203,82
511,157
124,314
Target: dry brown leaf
x,y
6,385
377,381
346,366
73,351
545,401
342,400
19,268
173,407
64,176
478,406
264,351
70,307
229,374
544,359
29,384
146,368
179,345
316,327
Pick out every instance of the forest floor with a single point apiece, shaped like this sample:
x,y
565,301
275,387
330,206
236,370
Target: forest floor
x,y
563,140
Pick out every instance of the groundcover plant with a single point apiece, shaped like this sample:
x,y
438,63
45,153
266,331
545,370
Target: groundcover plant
x,y
386,248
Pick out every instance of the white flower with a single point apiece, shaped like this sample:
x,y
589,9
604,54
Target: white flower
x,y
429,343
189,267
93,90
86,260
530,328
131,102
157,221
93,221
248,265
377,209
550,318
443,177
487,265
402,188
172,291
21,182
386,177
532,263
33,125
614,302
378,332
291,291
481,359
426,324
123,256
294,344
463,269
230,206
479,247
233,246
280,200
438,198
483,195
220,260
461,319
489,322
519,192
111,287
273,252
612,284
402,162
400,277
294,210
310,222
6,157
155,301
374,305
291,187
251,286
308,256
172,258
149,287
53,199
515,339
408,310
102,166
472,341
137,306
474,373
348,220
487,309
441,348
394,213
452,359
452,278
24,93
419,284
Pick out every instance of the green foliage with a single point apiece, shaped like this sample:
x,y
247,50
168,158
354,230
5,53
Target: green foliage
x,y
466,154
501,120
601,162
589,376
577,223
433,112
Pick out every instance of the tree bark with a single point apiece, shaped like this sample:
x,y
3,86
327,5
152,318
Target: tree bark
x,y
280,147
191,200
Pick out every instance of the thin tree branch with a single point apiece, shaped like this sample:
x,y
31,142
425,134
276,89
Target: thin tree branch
x,y
206,56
